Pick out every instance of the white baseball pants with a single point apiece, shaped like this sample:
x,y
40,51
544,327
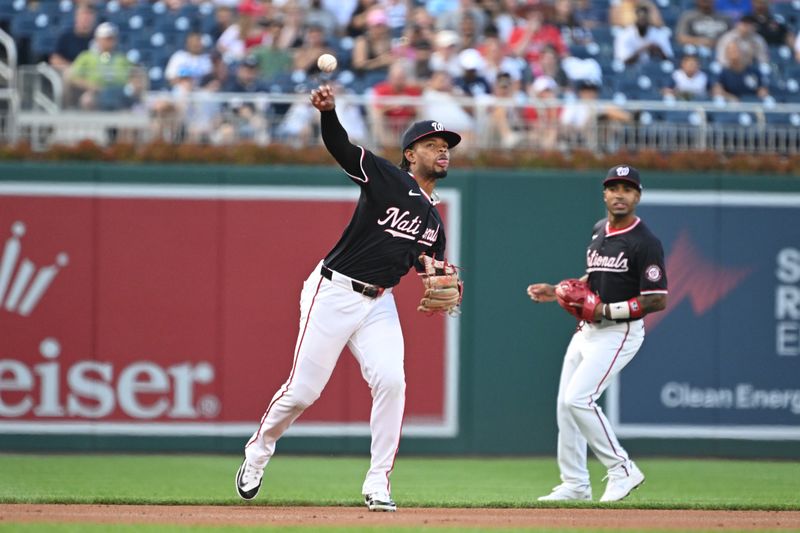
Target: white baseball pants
x,y
332,315
596,353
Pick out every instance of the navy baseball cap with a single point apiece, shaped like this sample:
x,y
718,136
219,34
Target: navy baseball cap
x,y
623,173
428,128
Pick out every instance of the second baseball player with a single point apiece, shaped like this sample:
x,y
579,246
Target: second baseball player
x,y
627,279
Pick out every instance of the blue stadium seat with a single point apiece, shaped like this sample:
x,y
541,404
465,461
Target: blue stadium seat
x,y
690,118
160,56
172,23
736,118
189,10
660,72
43,44
781,55
790,11
207,23
23,24
156,78
791,71
52,8
9,9
671,13
606,91
602,35
783,119
584,51
139,57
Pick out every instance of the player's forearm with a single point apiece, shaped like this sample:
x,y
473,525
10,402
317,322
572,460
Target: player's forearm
x,y
338,143
653,302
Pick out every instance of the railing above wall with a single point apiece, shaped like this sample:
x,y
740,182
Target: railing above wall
x,y
9,98
486,123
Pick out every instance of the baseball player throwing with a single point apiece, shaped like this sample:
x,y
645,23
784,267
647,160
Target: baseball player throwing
x,y
625,279
347,300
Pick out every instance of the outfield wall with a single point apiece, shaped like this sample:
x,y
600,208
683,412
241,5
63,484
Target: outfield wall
x,y
155,308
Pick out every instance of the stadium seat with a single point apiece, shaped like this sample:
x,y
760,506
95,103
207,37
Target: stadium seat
x,y
9,9
659,72
156,78
584,51
790,11
43,44
783,119
781,55
671,13
160,56
736,118
174,23
602,35
52,9
691,118
207,23
189,10
24,24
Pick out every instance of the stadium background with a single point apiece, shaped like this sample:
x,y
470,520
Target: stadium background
x,y
152,248
515,226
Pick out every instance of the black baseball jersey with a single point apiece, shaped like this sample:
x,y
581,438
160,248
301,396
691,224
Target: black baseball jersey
x,y
394,222
625,263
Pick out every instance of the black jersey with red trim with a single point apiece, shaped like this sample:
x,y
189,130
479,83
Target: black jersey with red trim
x,y
394,221
626,262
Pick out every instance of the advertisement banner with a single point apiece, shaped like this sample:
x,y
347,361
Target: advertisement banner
x,y
174,310
723,360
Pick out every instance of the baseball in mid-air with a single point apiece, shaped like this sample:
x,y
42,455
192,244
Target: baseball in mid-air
x,y
327,63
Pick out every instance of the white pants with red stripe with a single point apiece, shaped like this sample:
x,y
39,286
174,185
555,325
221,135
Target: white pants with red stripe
x,y
596,353
333,316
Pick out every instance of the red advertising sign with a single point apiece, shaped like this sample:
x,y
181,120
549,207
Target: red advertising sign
x,y
174,310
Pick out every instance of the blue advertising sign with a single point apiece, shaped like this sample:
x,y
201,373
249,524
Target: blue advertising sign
x,y
723,360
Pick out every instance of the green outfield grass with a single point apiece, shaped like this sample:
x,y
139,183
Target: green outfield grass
x,y
424,482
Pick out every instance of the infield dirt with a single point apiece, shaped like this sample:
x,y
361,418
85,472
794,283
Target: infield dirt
x,y
248,515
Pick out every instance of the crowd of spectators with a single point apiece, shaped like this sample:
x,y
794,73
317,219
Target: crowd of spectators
x,y
558,53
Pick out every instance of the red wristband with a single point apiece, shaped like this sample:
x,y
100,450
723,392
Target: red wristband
x,y
635,308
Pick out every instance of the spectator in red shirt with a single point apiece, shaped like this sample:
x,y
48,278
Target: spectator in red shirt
x,y
390,119
528,39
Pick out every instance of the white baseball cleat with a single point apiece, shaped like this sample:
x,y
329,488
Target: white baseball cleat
x,y
566,493
380,501
248,480
621,481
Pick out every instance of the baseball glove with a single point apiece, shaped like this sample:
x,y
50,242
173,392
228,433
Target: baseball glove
x,y
577,298
443,288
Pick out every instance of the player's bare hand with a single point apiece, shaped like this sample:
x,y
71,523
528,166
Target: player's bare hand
x,y
322,98
542,292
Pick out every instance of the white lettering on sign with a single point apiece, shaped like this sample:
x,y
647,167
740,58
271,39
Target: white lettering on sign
x,y
94,389
742,396
787,303
675,395
788,270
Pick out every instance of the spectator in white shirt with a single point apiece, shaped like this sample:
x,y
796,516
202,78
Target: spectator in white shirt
x,y
445,54
190,62
642,42
580,116
688,82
